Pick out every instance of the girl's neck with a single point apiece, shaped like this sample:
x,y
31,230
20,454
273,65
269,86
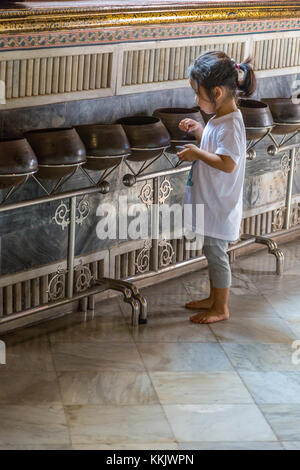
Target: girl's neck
x,y
226,108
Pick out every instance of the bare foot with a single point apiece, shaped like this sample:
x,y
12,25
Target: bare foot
x,y
200,304
212,316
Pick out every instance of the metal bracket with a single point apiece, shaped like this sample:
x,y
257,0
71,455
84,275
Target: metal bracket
x,y
131,295
272,248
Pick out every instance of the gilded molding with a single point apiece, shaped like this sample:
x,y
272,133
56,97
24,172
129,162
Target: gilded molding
x,y
72,19
97,36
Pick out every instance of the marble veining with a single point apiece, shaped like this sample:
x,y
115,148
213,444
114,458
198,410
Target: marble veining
x,y
84,382
274,387
284,419
200,423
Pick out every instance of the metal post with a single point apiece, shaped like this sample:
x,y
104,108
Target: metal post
x,y
289,190
91,302
83,305
71,247
155,225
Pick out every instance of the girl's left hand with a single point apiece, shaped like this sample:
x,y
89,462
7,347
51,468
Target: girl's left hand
x,y
189,153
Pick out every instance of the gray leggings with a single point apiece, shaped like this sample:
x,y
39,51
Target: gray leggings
x,y
218,262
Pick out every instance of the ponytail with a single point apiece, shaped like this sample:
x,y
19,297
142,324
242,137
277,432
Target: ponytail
x,y
247,85
215,68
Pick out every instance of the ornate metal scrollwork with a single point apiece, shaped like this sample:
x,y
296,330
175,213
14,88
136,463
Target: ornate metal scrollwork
x,y
83,277
165,190
278,221
295,219
143,259
285,164
61,216
57,285
167,253
146,194
83,209
62,213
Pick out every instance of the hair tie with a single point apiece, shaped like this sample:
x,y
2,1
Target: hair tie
x,y
236,64
241,72
241,76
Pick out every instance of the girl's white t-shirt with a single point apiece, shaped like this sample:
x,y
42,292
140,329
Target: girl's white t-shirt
x,y
221,193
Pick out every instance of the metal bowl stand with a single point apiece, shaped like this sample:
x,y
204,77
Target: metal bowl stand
x,y
158,192
87,287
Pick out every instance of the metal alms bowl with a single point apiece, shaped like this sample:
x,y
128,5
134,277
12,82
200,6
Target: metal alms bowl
x,y
257,118
59,151
106,145
147,136
286,114
171,118
17,162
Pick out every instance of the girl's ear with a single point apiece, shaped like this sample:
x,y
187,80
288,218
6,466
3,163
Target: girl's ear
x,y
218,92
193,85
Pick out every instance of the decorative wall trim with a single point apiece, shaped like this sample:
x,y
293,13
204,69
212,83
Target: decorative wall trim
x,y
29,288
44,76
148,66
161,65
33,20
80,37
276,51
56,73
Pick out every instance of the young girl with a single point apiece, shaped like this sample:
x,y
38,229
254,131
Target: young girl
x,y
217,174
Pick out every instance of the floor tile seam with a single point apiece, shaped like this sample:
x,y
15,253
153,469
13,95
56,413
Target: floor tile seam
x,y
154,388
247,388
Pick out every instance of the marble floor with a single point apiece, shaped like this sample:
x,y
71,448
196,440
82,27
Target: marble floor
x,y
97,383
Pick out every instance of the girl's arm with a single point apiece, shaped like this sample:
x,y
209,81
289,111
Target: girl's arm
x,y
198,134
192,126
220,162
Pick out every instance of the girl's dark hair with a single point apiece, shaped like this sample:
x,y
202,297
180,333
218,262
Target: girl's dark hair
x,y
216,68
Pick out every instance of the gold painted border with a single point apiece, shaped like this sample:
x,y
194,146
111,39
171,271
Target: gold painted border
x,y
22,21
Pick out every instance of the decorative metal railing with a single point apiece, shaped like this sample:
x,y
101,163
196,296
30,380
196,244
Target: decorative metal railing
x,y
81,280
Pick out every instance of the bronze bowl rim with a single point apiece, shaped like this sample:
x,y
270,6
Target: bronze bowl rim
x,y
245,100
49,130
12,139
113,124
110,157
61,165
152,120
24,173
176,110
280,99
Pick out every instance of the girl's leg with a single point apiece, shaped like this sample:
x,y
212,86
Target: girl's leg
x,y
204,303
221,300
220,274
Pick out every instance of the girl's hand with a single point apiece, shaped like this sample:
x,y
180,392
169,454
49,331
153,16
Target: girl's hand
x,y
189,153
189,125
